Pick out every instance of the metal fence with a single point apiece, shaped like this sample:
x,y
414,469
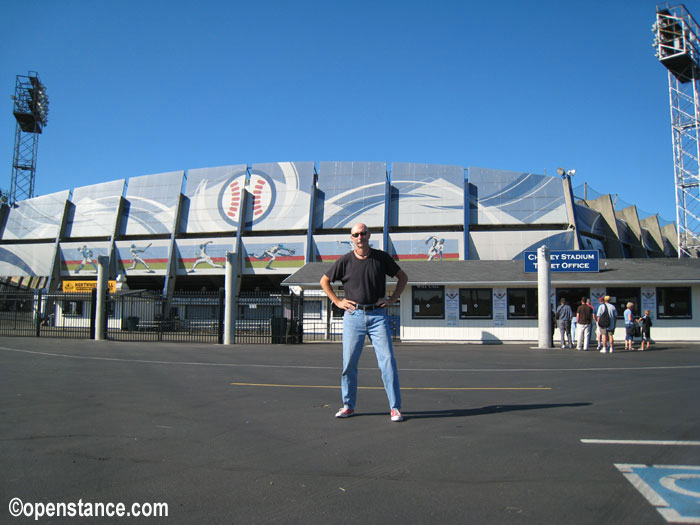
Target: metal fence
x,y
261,317
268,318
186,317
25,313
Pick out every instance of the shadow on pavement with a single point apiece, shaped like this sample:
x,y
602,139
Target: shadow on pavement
x,y
493,409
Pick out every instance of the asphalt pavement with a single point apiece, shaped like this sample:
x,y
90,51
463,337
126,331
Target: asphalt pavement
x,y
246,434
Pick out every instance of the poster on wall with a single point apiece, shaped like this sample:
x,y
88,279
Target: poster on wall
x,y
452,307
499,307
648,301
596,294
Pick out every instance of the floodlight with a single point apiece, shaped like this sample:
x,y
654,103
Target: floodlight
x,y
561,171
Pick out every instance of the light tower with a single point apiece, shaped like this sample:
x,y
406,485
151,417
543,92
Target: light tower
x,y
678,49
30,109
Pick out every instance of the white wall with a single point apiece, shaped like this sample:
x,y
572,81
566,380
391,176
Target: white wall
x,y
485,330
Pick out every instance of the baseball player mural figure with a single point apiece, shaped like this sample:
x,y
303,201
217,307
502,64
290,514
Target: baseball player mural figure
x,y
136,258
273,252
204,257
436,248
87,258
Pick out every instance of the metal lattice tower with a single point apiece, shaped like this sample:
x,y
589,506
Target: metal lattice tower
x,y
30,110
678,49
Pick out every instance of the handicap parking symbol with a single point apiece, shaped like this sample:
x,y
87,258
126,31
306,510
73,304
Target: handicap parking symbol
x,y
673,490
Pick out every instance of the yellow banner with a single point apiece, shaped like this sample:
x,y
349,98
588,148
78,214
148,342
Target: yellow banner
x,y
87,286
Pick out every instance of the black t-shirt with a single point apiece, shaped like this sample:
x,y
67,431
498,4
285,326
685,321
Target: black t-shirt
x,y
364,280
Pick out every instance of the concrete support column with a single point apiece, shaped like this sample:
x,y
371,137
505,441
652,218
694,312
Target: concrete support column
x,y
101,296
544,309
230,300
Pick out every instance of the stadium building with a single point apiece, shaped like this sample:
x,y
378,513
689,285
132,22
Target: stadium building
x,y
460,233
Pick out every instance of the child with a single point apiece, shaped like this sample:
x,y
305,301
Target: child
x,y
646,329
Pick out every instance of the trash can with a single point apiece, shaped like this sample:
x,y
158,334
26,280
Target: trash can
x,y
132,324
278,327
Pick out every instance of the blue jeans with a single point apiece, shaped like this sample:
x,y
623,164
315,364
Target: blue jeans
x,y
374,323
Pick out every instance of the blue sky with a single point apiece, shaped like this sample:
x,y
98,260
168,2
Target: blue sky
x,y
141,87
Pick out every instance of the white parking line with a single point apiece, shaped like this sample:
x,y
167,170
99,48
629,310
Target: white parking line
x,y
641,442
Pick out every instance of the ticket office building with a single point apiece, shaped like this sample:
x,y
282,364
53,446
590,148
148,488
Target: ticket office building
x,y
497,302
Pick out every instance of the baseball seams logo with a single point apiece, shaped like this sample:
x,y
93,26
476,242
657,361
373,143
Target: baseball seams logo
x,y
262,196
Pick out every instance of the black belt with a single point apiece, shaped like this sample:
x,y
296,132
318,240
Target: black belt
x,y
366,307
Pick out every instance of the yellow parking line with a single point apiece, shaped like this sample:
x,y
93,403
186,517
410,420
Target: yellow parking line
x,y
382,388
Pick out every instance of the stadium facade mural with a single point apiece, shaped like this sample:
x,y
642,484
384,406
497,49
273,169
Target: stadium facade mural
x,y
351,192
37,218
275,217
499,197
328,248
80,258
214,199
444,246
27,259
426,195
141,257
511,245
153,201
280,196
203,256
95,210
272,255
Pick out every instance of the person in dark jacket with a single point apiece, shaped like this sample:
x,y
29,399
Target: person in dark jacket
x,y
564,315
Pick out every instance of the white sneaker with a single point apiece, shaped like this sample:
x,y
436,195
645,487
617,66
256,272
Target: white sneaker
x,y
603,351
344,412
396,415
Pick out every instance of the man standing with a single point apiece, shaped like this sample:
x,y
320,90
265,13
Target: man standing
x,y
584,317
363,273
564,315
606,315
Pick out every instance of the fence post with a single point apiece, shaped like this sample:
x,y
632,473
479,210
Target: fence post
x,y
229,335
37,312
222,306
93,311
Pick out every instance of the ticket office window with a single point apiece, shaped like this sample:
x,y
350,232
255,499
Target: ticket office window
x,y
673,303
475,303
522,303
428,302
623,295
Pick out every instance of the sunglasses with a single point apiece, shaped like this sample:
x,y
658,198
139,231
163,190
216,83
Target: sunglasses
x,y
363,234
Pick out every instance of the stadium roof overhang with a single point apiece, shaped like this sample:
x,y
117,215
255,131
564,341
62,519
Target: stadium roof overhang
x,y
613,272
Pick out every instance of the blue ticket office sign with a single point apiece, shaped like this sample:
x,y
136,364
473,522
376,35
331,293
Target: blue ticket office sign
x,y
565,261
